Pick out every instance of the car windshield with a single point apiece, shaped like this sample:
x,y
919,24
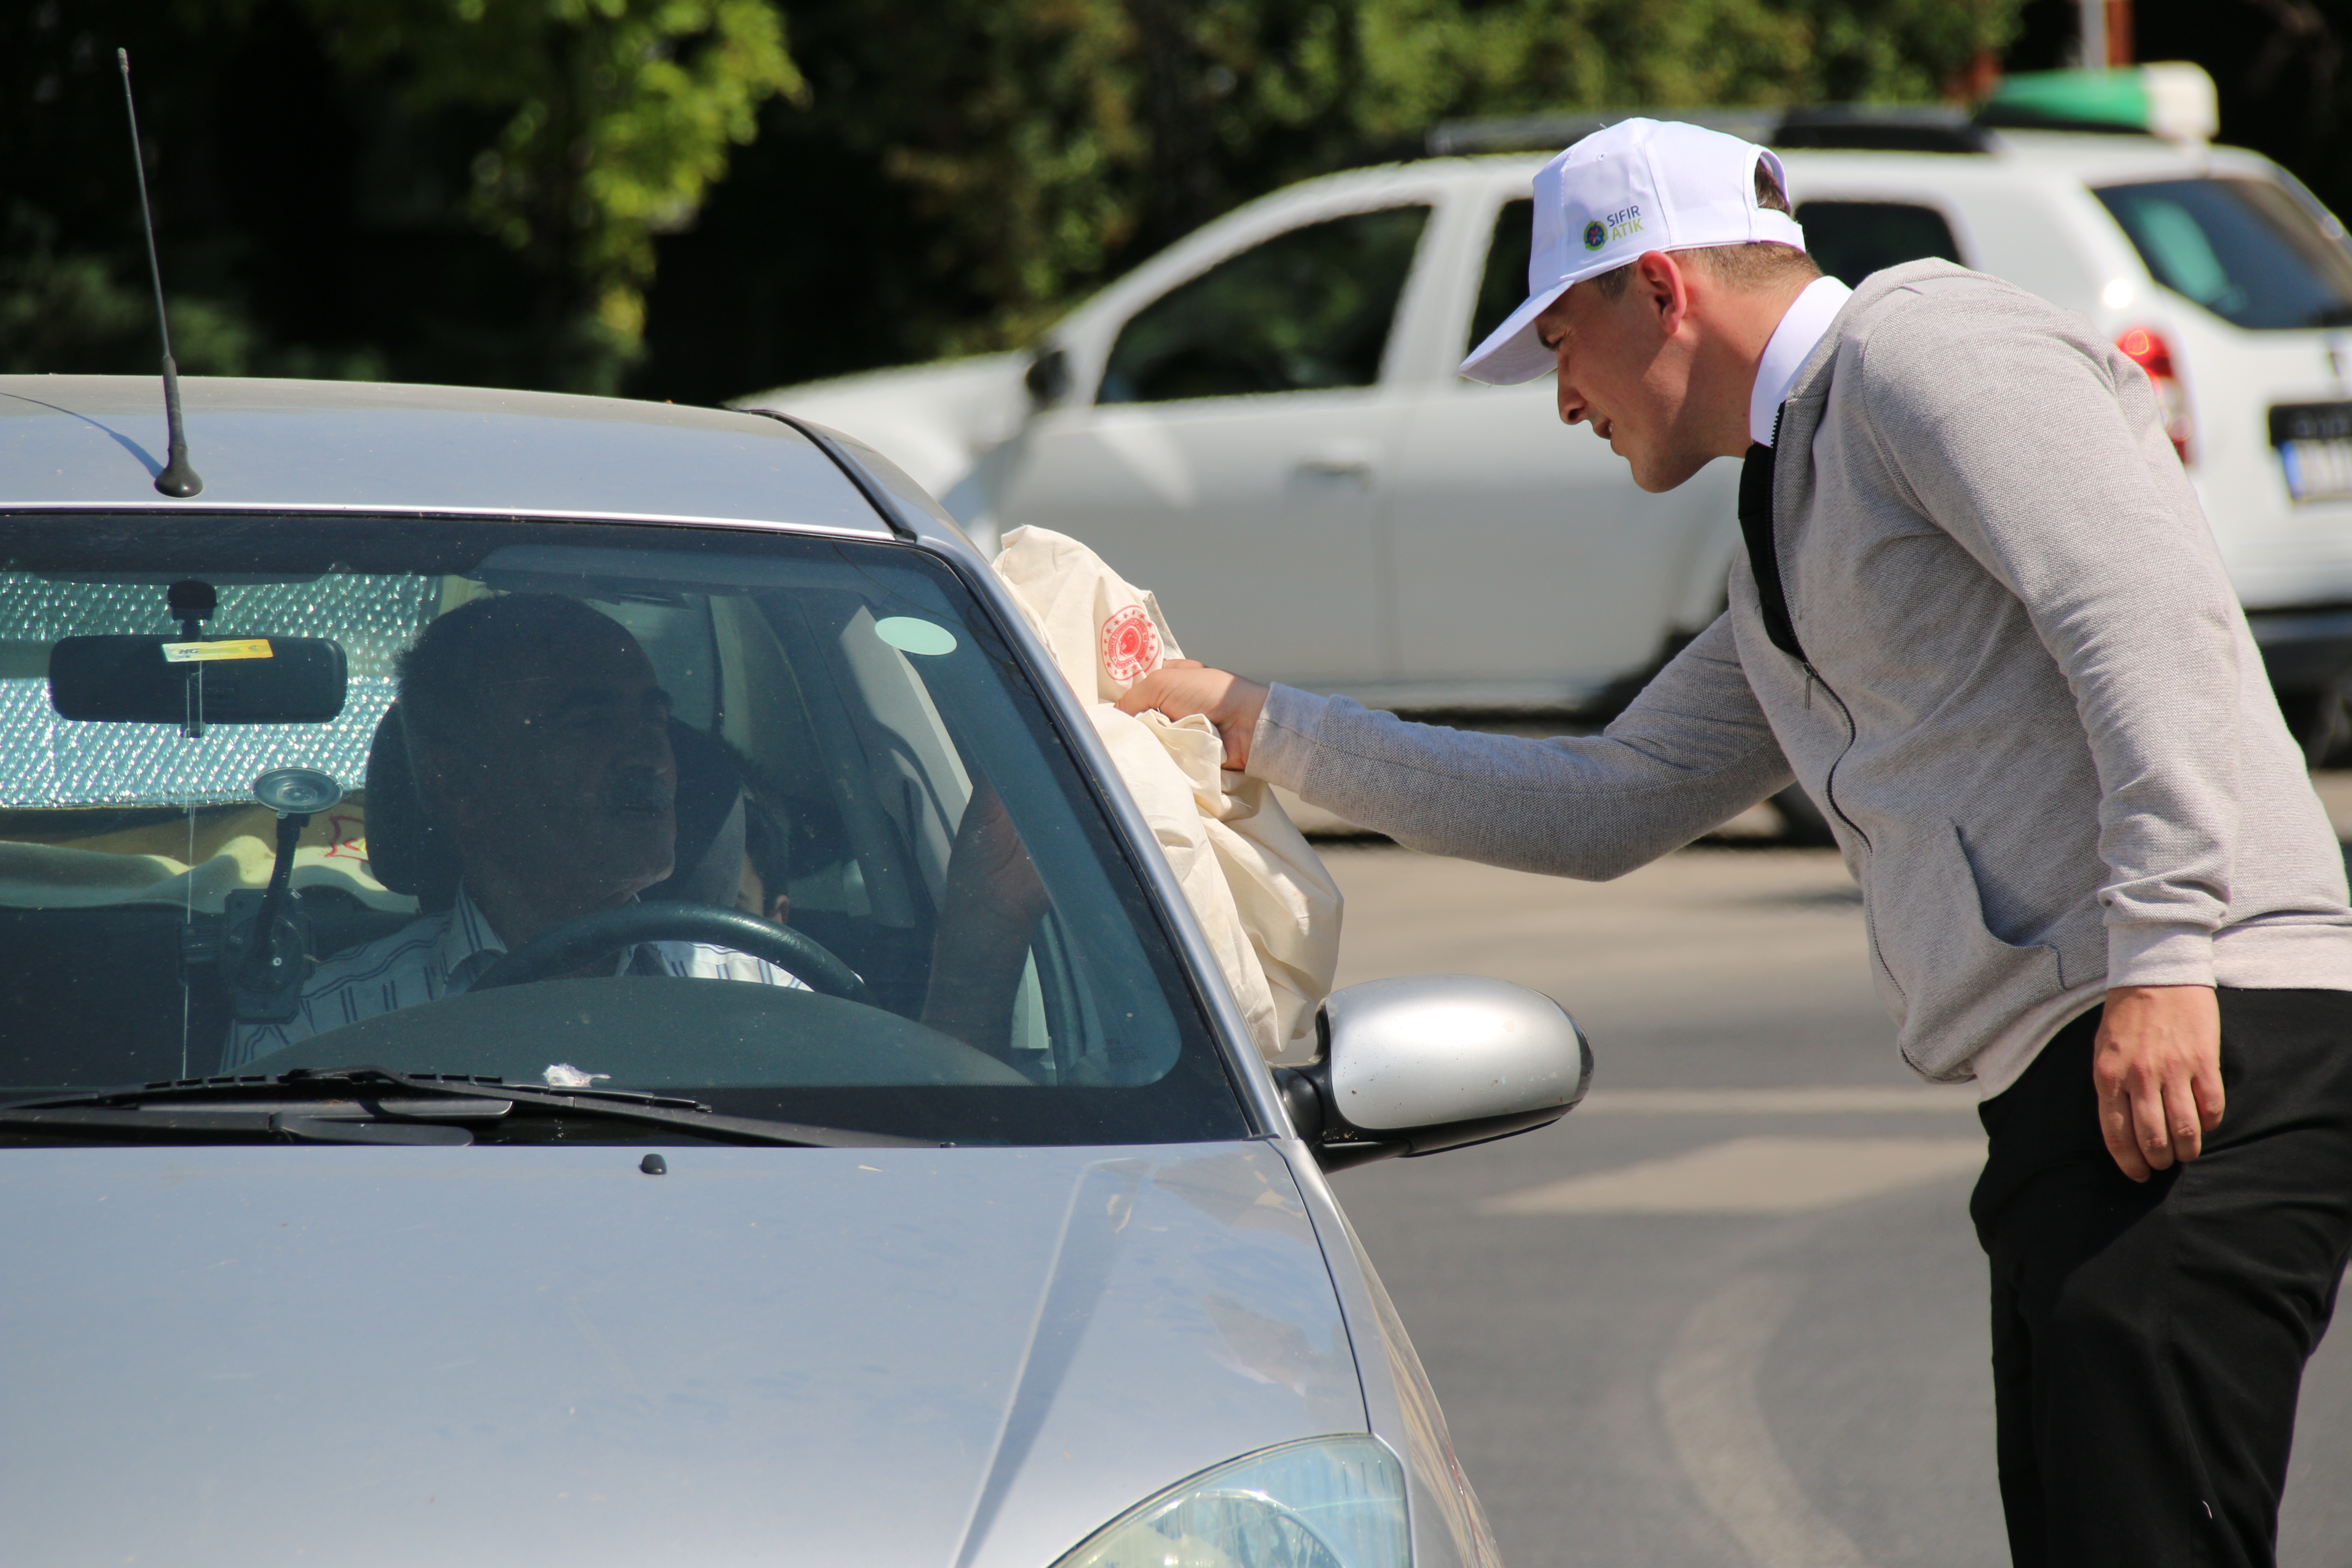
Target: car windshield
x,y
2245,250
771,823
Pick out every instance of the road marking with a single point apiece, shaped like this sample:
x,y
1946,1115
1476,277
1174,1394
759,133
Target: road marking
x,y
1830,1100
1752,1176
1706,1393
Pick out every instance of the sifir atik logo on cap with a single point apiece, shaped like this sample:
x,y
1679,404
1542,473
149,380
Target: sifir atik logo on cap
x,y
1596,235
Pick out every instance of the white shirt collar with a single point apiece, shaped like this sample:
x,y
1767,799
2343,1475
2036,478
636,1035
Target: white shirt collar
x,y
1793,341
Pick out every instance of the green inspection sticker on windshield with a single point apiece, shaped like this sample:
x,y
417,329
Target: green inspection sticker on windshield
x,y
204,652
913,636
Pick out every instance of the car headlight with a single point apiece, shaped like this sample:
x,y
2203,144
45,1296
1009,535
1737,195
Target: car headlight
x,y
1327,1502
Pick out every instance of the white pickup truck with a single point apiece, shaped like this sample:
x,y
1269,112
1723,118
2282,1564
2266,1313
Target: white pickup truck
x,y
1263,423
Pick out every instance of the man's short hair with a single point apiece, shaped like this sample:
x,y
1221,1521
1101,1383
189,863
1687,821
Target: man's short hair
x,y
1746,268
445,671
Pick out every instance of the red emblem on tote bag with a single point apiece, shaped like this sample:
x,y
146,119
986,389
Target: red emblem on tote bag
x,y
1130,644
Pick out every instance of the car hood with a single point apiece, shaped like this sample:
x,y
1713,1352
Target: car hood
x,y
963,1357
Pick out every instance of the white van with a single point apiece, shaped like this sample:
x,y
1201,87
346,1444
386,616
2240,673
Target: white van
x,y
1263,424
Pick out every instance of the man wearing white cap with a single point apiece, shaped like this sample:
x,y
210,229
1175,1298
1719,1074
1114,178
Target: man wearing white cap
x,y
1982,619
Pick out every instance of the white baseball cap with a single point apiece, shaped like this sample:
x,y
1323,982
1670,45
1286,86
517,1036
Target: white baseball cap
x,y
1638,186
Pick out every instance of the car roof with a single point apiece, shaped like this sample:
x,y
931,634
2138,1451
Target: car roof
x,y
2090,157
93,441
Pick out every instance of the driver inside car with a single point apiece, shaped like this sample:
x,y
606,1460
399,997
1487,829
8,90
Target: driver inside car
x,y
540,736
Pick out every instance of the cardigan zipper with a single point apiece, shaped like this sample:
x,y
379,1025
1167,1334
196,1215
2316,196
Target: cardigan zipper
x,y
1757,529
1828,780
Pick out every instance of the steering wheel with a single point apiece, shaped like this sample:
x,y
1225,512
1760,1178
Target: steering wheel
x,y
575,944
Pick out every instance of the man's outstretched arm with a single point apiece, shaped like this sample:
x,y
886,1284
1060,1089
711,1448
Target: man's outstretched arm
x,y
1690,751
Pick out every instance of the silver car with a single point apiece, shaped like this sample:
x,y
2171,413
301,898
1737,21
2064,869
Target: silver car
x,y
574,988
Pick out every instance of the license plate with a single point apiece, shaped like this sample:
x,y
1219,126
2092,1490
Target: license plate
x,y
2314,447
2316,470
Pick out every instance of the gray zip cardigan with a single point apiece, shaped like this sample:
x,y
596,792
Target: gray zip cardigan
x,y
2027,697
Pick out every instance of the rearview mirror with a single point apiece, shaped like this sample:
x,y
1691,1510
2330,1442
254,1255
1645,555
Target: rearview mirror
x,y
245,680
1414,1066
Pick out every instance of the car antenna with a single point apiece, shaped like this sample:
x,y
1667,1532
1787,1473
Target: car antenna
x,y
177,479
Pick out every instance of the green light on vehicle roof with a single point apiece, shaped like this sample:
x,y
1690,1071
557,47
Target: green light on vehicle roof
x,y
2173,100
2087,98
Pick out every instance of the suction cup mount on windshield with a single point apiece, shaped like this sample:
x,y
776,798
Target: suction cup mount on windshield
x,y
266,960
295,794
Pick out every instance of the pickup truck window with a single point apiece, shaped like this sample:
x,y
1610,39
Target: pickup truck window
x,y
2243,249
1504,283
1850,241
1304,312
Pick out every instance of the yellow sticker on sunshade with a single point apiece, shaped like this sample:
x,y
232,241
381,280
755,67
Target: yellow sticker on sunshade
x,y
202,652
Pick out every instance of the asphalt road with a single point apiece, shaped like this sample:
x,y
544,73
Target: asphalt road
x,y
1730,1312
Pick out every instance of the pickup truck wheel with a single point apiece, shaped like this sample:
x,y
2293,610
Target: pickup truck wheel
x,y
2315,717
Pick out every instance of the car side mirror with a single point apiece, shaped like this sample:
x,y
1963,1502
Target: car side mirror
x,y
1414,1066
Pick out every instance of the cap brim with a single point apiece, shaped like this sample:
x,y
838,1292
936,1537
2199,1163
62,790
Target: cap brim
x,y
1512,352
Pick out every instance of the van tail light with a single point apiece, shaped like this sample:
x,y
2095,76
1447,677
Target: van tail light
x,y
2148,351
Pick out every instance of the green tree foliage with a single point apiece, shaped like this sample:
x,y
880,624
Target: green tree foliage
x,y
70,297
463,190
1045,144
69,308
607,120
534,192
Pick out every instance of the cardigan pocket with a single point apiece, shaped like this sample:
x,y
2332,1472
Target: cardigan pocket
x,y
1957,984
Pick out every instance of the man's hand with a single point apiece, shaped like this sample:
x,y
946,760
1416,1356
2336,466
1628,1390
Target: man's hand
x,y
1183,686
2157,1067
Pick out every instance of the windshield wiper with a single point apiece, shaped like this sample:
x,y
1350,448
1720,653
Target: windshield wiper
x,y
303,1106
320,1122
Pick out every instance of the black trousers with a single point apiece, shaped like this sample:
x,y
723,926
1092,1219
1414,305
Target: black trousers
x,y
2149,1340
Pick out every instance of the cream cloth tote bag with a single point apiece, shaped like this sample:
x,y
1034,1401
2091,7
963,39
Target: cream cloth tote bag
x,y
1270,909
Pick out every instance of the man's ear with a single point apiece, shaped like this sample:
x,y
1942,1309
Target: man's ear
x,y
1664,289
